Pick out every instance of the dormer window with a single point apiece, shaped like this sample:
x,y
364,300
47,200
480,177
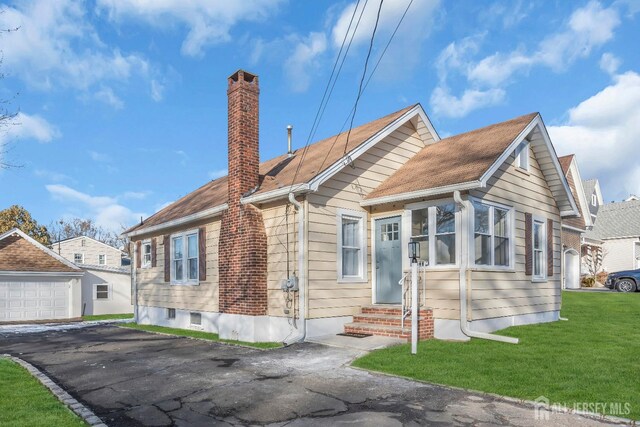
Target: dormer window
x,y
594,200
522,156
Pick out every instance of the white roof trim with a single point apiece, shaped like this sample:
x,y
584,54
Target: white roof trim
x,y
274,194
42,273
205,214
569,227
582,198
60,242
422,193
40,246
535,122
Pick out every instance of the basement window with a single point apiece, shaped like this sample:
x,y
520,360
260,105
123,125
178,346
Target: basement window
x,y
195,319
171,313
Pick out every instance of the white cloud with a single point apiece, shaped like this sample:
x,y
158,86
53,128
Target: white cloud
x,y
99,157
208,22
135,195
56,46
217,173
106,211
107,96
25,126
157,90
604,131
51,175
609,63
588,28
303,59
448,105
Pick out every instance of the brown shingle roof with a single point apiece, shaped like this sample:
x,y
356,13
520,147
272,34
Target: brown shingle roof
x,y
17,254
565,163
454,160
276,173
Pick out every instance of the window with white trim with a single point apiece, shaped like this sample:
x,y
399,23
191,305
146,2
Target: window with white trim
x,y
435,229
102,259
102,291
539,248
184,257
594,200
78,258
492,235
195,319
351,246
146,254
522,155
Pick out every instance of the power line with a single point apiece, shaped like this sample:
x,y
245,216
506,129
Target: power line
x,y
320,111
364,73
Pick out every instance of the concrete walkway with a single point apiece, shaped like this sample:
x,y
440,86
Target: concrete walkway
x,y
133,378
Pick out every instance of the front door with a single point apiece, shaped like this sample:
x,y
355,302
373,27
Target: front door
x,y
388,260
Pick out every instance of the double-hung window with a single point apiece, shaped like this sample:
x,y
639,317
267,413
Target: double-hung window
x,y
101,292
434,228
102,259
146,254
539,249
78,258
184,257
492,235
351,246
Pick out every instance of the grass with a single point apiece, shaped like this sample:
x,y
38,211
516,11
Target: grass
x,y
26,402
200,335
108,316
592,358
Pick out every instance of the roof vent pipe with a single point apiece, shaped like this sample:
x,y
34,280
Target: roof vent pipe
x,y
289,152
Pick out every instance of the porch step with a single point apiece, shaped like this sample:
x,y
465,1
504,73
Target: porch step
x,y
381,319
379,330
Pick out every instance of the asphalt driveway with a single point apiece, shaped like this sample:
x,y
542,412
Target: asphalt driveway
x,y
132,378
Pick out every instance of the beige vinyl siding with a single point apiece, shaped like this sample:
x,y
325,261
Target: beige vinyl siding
x,y
505,293
275,222
345,190
91,250
155,292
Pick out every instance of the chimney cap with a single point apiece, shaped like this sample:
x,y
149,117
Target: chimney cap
x,y
242,75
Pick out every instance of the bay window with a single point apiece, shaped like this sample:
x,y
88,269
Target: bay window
x,y
351,246
434,228
492,235
184,257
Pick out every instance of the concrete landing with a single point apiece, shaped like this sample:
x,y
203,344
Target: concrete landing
x,y
367,344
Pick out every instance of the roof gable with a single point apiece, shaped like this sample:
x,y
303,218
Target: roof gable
x,y
72,239
19,252
571,172
617,220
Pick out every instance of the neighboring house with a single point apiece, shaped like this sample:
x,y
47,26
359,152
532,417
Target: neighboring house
x,y
573,229
36,284
593,195
308,242
618,227
591,256
106,290
85,250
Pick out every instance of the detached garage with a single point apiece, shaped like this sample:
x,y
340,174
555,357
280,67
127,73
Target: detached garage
x,y
36,284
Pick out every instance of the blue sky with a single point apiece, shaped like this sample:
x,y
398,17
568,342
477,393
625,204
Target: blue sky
x,y
122,103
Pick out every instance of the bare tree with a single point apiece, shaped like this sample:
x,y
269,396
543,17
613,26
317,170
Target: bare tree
x,y
592,259
7,116
76,227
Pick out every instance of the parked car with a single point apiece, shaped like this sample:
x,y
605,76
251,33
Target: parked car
x,y
624,281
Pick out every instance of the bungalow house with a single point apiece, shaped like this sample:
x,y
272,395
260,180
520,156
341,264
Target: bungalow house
x,y
315,241
574,228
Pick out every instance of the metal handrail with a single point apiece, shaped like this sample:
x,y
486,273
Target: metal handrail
x,y
405,307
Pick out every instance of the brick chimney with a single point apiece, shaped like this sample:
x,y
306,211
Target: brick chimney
x,y
242,247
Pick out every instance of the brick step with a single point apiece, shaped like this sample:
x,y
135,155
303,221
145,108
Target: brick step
x,y
380,330
391,310
381,319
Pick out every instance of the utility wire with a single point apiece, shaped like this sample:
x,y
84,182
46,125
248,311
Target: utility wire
x,y
364,73
325,98
367,83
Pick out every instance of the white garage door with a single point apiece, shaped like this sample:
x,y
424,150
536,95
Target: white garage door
x,y
31,300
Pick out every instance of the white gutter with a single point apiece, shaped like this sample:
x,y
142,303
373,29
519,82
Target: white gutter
x,y
274,194
206,214
42,273
302,275
464,266
422,193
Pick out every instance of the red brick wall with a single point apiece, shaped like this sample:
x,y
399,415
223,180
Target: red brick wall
x,y
242,247
571,239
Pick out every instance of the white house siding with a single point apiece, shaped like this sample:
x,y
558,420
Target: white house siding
x,y
619,254
327,297
119,292
91,250
508,293
153,291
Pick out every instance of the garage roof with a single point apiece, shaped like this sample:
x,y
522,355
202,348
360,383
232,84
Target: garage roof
x,y
21,253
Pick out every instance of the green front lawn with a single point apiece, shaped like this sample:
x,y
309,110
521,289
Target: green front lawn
x,y
592,358
108,316
26,402
199,334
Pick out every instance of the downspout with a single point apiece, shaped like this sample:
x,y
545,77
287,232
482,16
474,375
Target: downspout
x,y
302,275
464,270
134,279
